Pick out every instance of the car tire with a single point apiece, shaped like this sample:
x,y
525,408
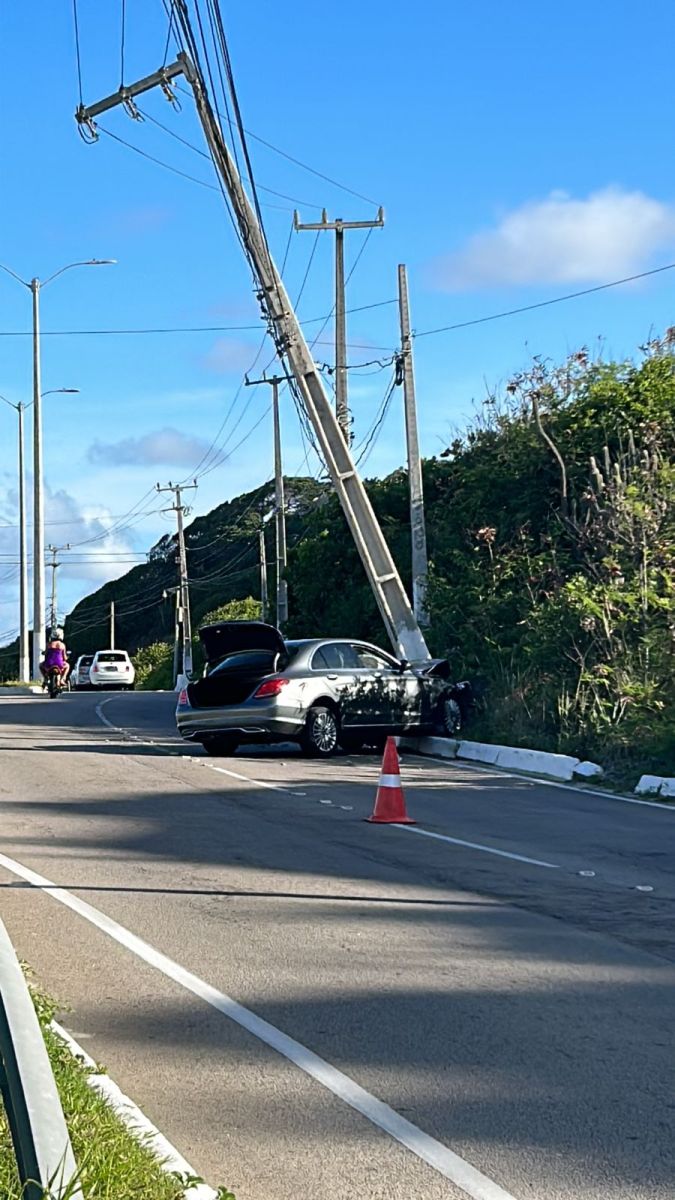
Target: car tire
x,y
321,735
221,747
449,717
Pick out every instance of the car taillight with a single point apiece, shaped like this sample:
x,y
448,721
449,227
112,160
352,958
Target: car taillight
x,y
183,698
94,668
271,687
127,667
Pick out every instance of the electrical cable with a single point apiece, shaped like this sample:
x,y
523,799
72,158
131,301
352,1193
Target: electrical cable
x,y
298,163
512,312
77,51
124,22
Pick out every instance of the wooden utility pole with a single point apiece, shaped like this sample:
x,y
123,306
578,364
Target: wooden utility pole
x,y
341,389
420,562
184,589
279,499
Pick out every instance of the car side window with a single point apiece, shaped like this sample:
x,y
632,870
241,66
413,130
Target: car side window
x,y
336,656
370,659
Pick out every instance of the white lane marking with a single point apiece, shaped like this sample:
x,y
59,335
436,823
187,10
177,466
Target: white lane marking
x,y
434,1153
275,787
169,1159
443,837
263,783
565,787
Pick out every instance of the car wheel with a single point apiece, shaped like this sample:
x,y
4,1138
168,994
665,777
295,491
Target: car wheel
x,y
321,733
221,747
449,717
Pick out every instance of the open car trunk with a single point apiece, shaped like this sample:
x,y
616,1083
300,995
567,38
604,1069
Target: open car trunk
x,y
239,654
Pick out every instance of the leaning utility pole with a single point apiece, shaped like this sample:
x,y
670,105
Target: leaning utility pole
x,y
54,565
385,581
186,627
341,389
420,564
279,500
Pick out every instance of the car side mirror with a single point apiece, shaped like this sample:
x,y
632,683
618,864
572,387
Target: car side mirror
x,y
404,665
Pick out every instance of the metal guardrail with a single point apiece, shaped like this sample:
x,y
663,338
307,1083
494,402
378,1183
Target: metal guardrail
x,y
42,1146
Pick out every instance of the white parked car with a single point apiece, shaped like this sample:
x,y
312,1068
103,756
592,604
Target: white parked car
x,y
112,668
79,676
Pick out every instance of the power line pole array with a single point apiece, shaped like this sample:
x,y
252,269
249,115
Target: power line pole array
x,y
54,565
184,590
420,564
279,499
383,576
341,388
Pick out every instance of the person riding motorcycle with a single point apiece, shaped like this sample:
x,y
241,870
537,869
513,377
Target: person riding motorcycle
x,y
55,659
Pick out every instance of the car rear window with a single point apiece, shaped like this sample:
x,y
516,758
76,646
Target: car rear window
x,y
111,656
246,660
87,660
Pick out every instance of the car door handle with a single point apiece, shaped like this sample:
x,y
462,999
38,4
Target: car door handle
x,y
331,676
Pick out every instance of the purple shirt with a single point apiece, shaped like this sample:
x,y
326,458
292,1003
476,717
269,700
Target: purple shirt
x,y
54,657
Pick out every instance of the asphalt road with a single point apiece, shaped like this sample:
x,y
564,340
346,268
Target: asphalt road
x,y
310,1006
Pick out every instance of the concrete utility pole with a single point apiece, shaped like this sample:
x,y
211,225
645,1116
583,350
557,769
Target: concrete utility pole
x,y
385,581
420,563
54,565
341,387
264,598
24,656
112,624
279,500
180,510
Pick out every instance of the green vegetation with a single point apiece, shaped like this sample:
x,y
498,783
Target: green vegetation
x,y
551,531
113,1165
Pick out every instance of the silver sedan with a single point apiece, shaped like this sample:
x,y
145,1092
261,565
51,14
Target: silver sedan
x,y
320,692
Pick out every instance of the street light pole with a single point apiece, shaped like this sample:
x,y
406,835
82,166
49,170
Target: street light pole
x,y
24,657
39,631
38,494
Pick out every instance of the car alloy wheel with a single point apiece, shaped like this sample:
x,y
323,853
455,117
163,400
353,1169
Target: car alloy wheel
x,y
451,717
321,733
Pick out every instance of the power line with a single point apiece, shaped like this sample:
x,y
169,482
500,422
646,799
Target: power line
x,y
298,162
512,312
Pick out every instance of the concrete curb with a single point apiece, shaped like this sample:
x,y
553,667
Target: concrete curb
x,y
560,767
28,689
136,1121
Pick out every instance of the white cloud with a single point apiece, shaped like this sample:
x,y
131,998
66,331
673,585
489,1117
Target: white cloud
x,y
162,446
561,240
229,356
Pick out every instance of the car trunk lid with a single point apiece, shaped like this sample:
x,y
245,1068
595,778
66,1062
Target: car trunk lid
x,y
239,655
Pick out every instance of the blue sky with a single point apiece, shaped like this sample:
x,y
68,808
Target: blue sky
x,y
520,152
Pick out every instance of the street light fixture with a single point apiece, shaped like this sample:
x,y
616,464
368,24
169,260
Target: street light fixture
x,y
34,287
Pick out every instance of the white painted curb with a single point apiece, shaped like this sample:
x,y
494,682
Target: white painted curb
x,y
656,785
24,689
510,758
136,1121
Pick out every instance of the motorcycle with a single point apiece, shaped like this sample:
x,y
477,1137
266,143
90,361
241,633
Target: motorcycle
x,y
55,684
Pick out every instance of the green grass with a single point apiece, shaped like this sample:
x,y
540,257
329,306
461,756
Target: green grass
x,y
112,1164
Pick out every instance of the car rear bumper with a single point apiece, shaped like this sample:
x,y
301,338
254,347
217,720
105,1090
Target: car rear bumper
x,y
260,722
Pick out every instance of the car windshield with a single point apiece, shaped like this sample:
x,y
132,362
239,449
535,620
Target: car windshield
x,y
111,656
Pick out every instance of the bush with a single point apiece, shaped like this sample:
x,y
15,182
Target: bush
x,y
154,667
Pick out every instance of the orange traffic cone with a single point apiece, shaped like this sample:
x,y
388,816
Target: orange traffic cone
x,y
389,801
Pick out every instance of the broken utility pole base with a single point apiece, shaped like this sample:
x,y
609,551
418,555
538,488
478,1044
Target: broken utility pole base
x,y
393,603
